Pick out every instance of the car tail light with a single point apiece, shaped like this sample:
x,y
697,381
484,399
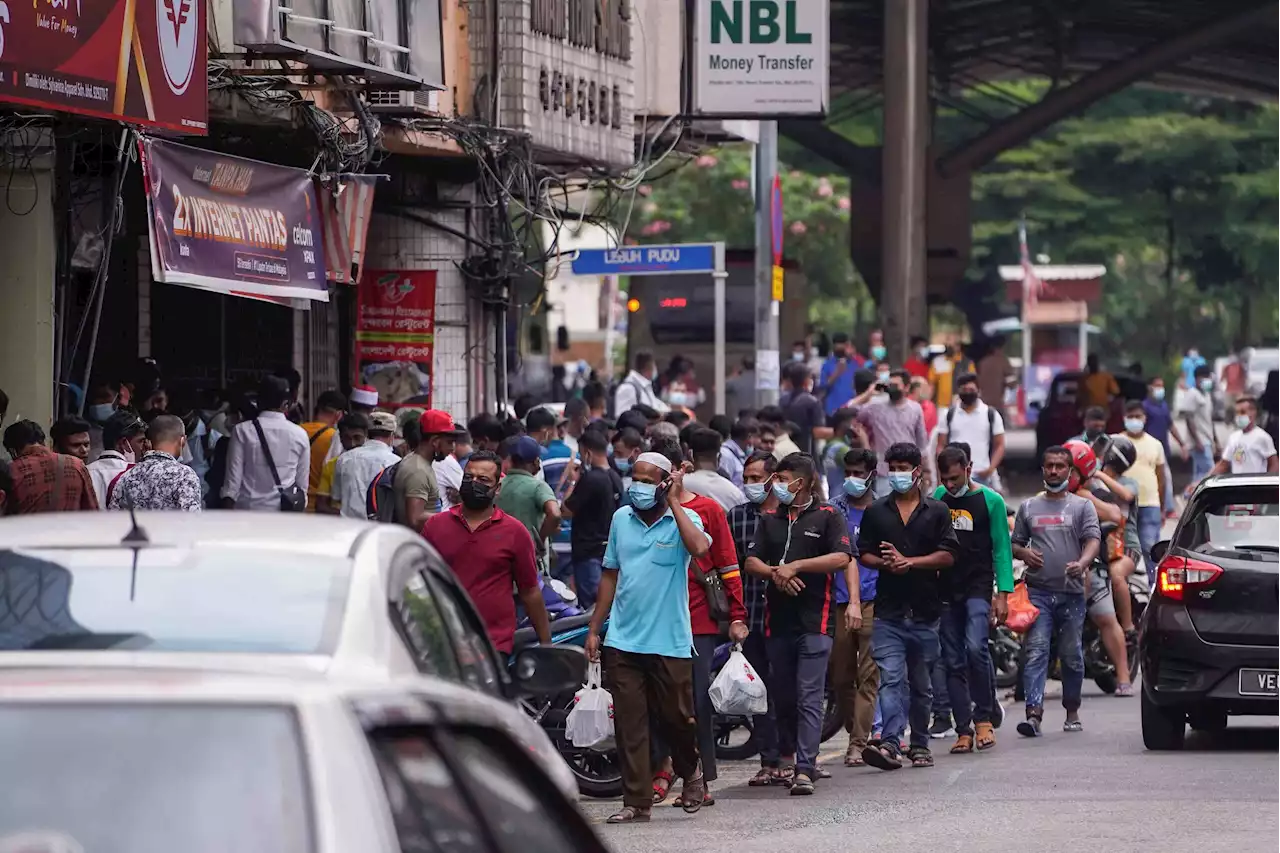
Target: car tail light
x,y
1178,575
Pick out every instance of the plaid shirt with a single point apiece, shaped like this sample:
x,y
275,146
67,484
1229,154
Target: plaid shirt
x,y
742,523
44,481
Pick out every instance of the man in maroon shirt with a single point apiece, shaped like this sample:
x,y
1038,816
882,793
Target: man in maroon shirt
x,y
489,551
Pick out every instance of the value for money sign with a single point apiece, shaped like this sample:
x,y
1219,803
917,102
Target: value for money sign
x,y
139,61
232,225
395,335
760,58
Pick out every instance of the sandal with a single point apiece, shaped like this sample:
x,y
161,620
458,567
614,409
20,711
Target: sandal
x,y
1073,726
920,757
853,756
629,814
803,786
986,736
1123,690
763,778
884,756
963,744
819,773
661,785
693,795
707,800
785,776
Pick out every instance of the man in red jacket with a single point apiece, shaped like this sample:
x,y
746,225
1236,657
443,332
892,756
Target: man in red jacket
x,y
722,559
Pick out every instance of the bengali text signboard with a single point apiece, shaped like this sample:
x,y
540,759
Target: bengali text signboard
x,y
395,335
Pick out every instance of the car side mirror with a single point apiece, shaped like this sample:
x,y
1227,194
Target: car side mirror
x,y
544,670
1158,551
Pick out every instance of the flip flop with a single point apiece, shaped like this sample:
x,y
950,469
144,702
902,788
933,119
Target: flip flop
x,y
876,757
629,814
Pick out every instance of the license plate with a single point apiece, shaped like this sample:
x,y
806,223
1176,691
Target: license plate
x,y
1259,682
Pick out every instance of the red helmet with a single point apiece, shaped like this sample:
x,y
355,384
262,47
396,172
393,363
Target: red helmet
x,y
1084,462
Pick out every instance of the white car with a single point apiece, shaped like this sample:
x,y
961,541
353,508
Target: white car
x,y
244,591
162,759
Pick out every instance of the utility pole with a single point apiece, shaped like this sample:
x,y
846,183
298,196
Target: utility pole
x,y
766,306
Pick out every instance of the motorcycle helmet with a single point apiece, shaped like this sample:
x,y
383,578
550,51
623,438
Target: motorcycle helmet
x,y
1084,462
1120,453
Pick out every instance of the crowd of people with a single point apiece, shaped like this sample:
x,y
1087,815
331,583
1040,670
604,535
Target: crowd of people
x,y
854,531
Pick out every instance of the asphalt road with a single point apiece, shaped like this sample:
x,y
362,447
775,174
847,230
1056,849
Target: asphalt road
x,y
1096,790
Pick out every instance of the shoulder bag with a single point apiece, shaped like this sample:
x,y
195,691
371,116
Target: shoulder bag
x,y
292,499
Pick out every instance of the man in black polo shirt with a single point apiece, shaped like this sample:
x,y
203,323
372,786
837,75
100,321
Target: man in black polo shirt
x,y
800,547
909,539
592,500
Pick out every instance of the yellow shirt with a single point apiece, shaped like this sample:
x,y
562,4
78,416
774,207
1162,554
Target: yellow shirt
x,y
1150,459
1097,389
325,486
942,373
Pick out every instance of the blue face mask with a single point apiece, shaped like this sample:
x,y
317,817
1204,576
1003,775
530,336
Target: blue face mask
x,y
1061,487
1206,384
878,352
756,492
784,495
856,488
1134,425
960,492
624,465
101,411
902,481
1157,393
643,495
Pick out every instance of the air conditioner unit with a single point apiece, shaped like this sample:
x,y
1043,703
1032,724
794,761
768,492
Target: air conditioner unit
x,y
404,103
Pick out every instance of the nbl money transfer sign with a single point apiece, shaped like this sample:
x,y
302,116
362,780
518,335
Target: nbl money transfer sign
x,y
232,225
138,61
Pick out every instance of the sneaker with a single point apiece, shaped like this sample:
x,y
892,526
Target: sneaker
x,y
1029,727
941,728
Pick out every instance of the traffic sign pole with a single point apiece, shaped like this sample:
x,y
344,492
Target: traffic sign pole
x,y
719,277
766,306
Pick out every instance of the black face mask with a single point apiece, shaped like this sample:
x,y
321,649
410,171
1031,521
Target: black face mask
x,y
895,394
474,494
969,397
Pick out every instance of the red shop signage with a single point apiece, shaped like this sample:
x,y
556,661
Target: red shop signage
x,y
138,61
395,335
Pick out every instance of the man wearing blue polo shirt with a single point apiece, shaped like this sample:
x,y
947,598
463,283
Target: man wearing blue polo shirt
x,y
836,381
648,662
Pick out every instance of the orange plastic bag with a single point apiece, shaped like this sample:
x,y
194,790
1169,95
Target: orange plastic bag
x,y
1022,613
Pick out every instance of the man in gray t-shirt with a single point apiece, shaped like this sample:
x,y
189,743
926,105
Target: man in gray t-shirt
x,y
1057,535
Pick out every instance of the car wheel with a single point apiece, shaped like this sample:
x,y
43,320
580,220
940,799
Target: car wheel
x,y
1162,728
1207,721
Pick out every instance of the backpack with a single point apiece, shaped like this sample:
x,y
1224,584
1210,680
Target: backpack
x,y
991,422
380,499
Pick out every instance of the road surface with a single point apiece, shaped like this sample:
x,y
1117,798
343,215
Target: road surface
x,y
1092,791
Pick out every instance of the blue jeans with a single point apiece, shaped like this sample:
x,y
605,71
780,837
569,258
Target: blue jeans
x,y
764,727
963,632
1150,518
1061,614
905,650
941,696
586,581
798,682
1201,462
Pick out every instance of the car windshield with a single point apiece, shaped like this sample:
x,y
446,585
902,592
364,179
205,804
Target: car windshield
x,y
210,599
1235,520
153,779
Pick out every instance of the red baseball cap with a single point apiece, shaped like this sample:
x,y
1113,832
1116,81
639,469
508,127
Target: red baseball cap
x,y
436,422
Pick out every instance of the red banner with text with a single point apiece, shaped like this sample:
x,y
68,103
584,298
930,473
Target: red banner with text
x,y
395,335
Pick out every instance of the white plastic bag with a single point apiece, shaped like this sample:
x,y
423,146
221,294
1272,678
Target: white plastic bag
x,y
590,721
738,691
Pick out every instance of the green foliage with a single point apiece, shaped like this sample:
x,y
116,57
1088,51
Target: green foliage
x,y
711,199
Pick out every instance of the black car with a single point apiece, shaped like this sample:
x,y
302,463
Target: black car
x,y
1209,640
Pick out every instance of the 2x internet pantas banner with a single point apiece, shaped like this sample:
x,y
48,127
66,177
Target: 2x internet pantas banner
x,y
232,225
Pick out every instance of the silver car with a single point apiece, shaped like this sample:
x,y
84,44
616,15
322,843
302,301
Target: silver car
x,y
157,760
239,590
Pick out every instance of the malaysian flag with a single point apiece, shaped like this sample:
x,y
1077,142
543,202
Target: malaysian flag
x,y
1031,284
346,216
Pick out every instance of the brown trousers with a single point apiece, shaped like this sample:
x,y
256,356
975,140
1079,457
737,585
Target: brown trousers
x,y
854,674
645,686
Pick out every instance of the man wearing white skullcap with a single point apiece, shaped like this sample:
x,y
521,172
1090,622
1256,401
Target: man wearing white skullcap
x,y
647,653
364,398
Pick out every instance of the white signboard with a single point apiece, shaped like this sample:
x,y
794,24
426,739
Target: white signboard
x,y
760,58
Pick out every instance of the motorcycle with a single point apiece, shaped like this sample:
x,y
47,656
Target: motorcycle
x,y
735,736
597,771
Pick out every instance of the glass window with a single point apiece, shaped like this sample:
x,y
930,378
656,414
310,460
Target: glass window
x,y
156,779
470,639
523,820
211,599
425,630
1239,519
429,811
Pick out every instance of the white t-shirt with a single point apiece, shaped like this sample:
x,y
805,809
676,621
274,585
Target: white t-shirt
x,y
448,476
973,429
1248,452
1196,406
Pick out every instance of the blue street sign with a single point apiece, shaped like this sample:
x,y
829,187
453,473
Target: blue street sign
x,y
647,260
